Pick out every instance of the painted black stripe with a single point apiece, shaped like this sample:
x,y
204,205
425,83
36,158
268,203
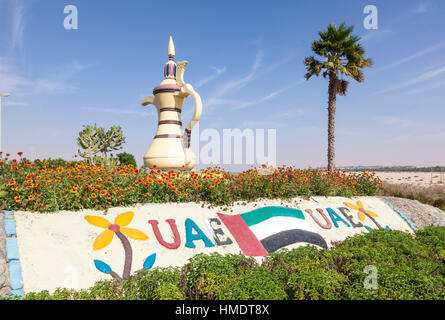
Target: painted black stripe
x,y
285,238
170,109
176,136
165,90
179,123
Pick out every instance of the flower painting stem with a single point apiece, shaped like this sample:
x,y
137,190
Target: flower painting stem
x,y
115,276
128,254
373,220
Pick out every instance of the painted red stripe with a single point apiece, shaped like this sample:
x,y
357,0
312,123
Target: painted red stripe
x,y
245,238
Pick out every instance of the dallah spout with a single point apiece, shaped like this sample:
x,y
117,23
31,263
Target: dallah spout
x,y
148,100
180,69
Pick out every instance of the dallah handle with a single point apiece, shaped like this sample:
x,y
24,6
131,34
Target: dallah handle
x,y
188,88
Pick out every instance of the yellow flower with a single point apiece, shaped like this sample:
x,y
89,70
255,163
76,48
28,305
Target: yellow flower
x,y
122,220
361,210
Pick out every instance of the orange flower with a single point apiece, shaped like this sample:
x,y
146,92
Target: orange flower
x,y
17,199
103,192
11,183
93,195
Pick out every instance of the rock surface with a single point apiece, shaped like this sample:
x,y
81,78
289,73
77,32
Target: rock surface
x,y
4,284
421,215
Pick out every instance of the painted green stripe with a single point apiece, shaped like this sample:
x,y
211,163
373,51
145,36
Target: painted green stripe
x,y
261,214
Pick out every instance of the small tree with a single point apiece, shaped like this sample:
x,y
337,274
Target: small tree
x,y
126,159
95,139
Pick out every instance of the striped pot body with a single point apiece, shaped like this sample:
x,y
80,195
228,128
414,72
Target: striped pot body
x,y
166,150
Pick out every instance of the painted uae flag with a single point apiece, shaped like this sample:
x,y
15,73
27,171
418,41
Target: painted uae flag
x,y
268,229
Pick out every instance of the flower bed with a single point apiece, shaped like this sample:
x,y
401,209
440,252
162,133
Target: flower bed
x,y
53,185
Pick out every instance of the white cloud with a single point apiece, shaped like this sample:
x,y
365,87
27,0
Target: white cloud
x,y
268,96
393,121
121,111
216,74
241,82
419,79
219,97
291,112
378,34
413,56
436,137
22,88
18,25
422,8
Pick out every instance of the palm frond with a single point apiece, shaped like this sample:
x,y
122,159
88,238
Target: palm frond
x,y
341,52
313,67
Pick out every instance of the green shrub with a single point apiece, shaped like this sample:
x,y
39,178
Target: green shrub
x,y
205,275
168,291
126,158
433,235
256,284
402,263
310,273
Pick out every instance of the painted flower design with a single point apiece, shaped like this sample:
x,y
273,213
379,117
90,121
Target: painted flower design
x,y
362,212
119,226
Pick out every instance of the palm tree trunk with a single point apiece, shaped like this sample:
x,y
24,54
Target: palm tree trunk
x,y
331,120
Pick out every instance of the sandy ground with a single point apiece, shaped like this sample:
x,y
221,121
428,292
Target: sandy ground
x,y
418,178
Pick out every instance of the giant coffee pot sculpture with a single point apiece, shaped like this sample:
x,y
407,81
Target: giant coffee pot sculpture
x,y
170,148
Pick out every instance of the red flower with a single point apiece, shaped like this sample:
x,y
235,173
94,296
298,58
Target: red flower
x,y
19,154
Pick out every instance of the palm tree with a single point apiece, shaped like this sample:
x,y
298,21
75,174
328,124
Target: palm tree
x,y
342,55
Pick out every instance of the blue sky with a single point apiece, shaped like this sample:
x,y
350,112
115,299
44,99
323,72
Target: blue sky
x,y
246,62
